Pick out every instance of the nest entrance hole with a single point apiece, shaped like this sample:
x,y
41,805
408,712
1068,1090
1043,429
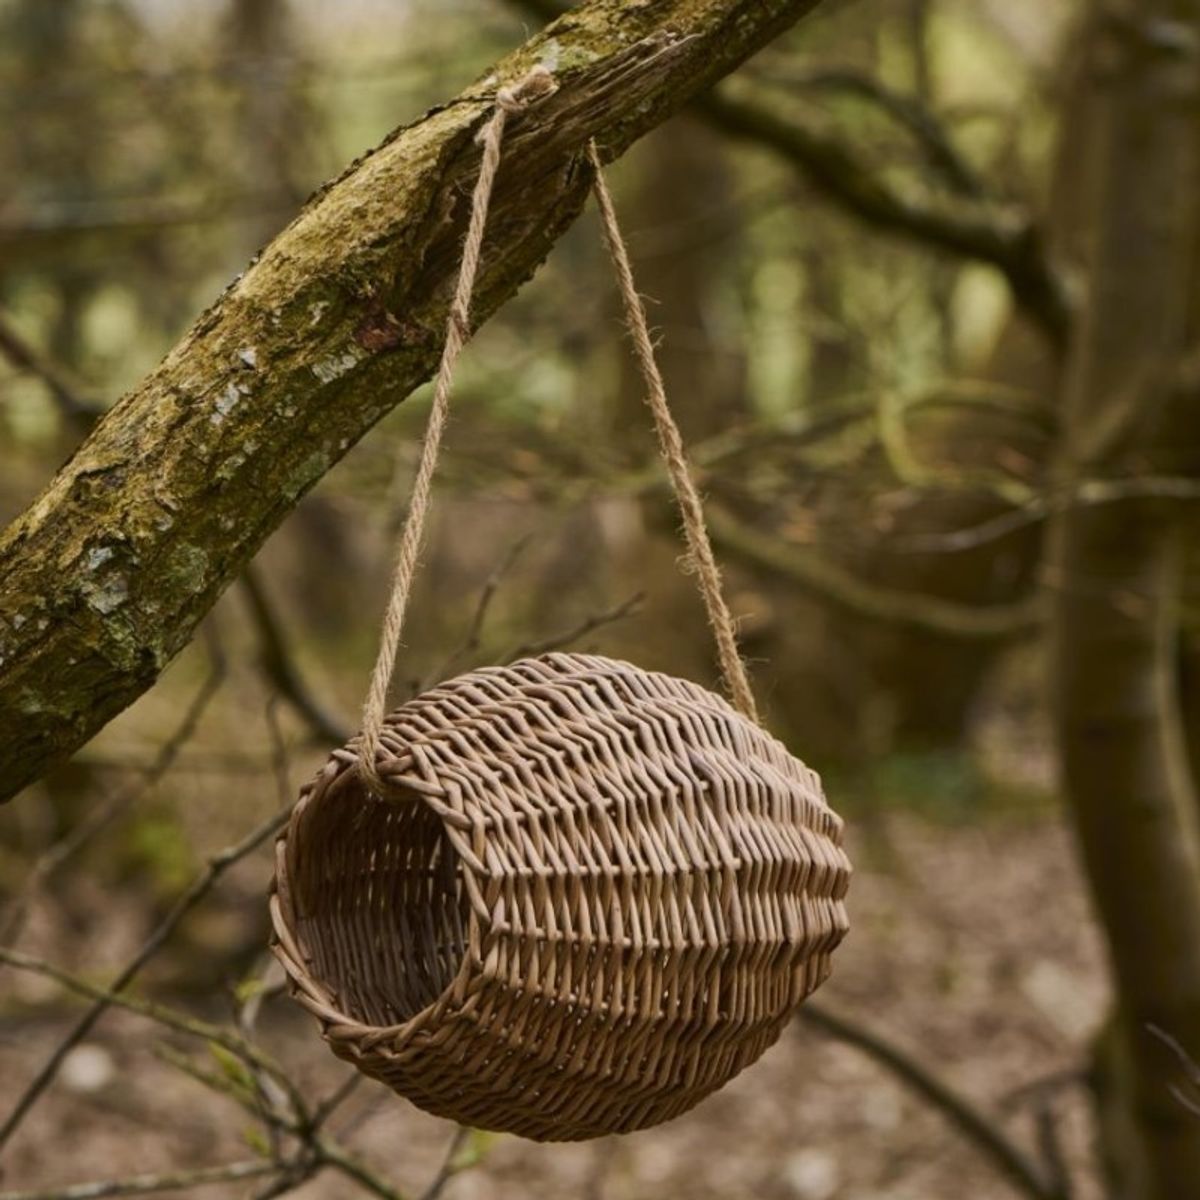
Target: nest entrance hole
x,y
384,910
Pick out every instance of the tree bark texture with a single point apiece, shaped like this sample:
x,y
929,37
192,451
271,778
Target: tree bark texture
x,y
1115,573
104,578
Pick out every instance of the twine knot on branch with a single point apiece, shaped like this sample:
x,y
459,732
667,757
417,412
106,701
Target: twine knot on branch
x,y
536,85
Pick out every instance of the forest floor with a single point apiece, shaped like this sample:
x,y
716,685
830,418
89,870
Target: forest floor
x,y
971,946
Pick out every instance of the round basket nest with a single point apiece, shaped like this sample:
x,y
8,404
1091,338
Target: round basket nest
x,y
596,895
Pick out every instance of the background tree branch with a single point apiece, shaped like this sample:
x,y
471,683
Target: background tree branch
x,y
63,391
832,581
969,226
1001,235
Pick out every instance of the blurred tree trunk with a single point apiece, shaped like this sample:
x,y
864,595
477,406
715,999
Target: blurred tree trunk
x,y
1115,574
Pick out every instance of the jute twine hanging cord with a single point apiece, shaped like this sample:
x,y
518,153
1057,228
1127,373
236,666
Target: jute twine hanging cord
x,y
536,85
670,444
566,897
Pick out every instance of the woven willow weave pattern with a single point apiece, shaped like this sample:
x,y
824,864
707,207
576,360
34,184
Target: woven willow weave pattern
x,y
602,895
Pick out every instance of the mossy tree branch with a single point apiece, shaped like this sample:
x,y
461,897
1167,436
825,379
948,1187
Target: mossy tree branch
x,y
104,578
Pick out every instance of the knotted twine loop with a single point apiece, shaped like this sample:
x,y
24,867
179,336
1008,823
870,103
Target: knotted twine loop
x,y
670,444
537,84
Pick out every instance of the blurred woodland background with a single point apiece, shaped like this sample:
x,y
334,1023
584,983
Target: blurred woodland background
x,y
923,275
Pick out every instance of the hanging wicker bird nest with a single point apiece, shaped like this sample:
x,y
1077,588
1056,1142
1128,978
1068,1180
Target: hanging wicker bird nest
x,y
596,895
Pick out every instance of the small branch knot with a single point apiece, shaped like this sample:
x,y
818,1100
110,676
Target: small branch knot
x,y
536,85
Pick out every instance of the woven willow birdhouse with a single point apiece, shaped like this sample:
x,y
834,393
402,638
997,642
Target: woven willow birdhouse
x,y
593,895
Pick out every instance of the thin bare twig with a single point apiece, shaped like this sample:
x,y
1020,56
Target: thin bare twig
x,y
1191,1068
279,663
979,1128
910,112
568,637
354,1168
315,1152
450,1165
832,580
222,1086
1038,508
327,1107
80,412
1005,236
106,812
292,1176
200,887
1034,1090
210,762
281,761
1050,1147
474,638
268,1098
159,1013
892,410
132,215
140,1185
355,1121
